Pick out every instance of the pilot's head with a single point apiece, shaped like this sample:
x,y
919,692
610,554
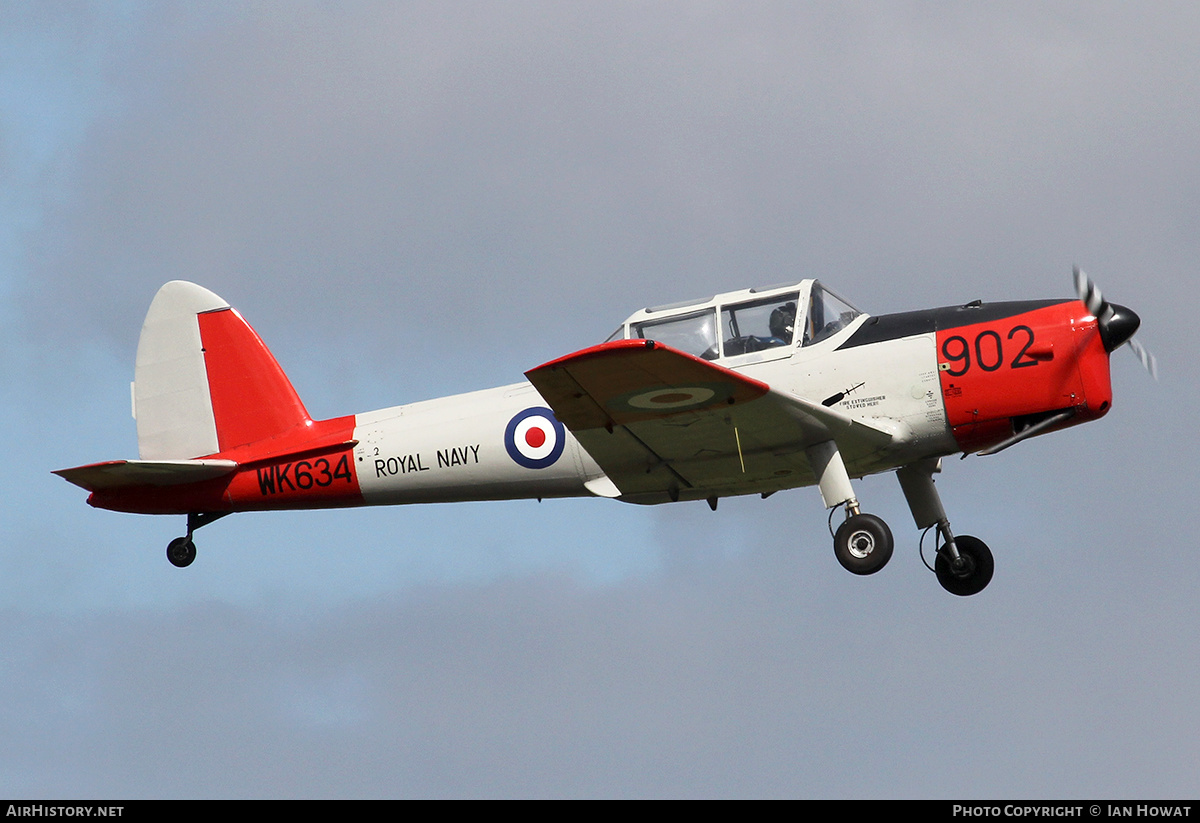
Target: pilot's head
x,y
783,321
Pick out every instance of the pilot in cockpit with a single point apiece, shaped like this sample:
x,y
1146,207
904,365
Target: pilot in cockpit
x,y
783,324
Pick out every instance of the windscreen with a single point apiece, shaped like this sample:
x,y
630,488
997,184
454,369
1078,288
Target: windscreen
x,y
827,315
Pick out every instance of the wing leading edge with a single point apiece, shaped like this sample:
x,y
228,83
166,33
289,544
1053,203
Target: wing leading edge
x,y
663,424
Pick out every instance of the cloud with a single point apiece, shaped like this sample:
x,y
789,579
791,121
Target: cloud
x,y
760,675
411,166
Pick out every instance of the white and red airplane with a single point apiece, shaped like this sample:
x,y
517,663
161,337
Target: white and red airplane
x,y
750,392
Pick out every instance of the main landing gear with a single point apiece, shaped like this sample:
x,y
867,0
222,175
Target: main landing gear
x,y
182,550
963,564
863,543
970,572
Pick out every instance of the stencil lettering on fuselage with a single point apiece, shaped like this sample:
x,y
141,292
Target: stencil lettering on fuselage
x,y
448,458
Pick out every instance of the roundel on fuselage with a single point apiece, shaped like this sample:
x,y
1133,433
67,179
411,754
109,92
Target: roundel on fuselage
x,y
534,438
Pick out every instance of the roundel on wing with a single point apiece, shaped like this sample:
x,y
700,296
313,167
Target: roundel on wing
x,y
534,438
672,398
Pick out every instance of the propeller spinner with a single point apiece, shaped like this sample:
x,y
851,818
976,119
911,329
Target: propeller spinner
x,y
1117,323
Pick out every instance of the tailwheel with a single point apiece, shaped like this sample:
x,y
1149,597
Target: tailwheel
x,y
973,571
863,544
181,551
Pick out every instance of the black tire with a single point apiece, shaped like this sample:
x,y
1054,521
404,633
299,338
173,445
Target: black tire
x,y
181,552
976,573
863,544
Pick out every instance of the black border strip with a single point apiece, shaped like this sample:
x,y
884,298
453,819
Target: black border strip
x,y
906,324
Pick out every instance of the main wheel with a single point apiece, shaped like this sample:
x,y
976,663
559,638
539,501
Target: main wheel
x,y
181,551
863,544
976,570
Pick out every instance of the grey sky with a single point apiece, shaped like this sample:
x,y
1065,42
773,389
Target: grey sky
x,y
409,200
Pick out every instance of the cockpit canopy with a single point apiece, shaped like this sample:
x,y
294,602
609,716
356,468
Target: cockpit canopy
x,y
750,321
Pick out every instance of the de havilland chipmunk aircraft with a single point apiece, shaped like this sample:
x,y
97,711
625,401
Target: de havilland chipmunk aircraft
x,y
750,392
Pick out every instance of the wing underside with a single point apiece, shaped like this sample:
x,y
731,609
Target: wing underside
x,y
663,424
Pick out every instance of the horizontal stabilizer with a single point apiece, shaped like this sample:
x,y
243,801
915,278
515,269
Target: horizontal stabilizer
x,y
121,474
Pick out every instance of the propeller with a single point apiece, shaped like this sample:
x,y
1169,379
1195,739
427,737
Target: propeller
x,y
1117,323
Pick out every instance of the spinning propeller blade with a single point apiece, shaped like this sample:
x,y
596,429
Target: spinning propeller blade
x,y
1149,361
1117,323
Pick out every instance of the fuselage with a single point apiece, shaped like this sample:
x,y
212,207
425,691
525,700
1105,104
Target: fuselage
x,y
940,381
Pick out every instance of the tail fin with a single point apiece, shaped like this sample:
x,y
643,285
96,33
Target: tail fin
x,y
204,381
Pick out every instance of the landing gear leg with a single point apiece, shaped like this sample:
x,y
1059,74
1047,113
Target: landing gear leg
x,y
182,550
863,544
964,564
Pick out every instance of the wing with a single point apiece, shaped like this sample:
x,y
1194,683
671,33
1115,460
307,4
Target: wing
x,y
663,424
